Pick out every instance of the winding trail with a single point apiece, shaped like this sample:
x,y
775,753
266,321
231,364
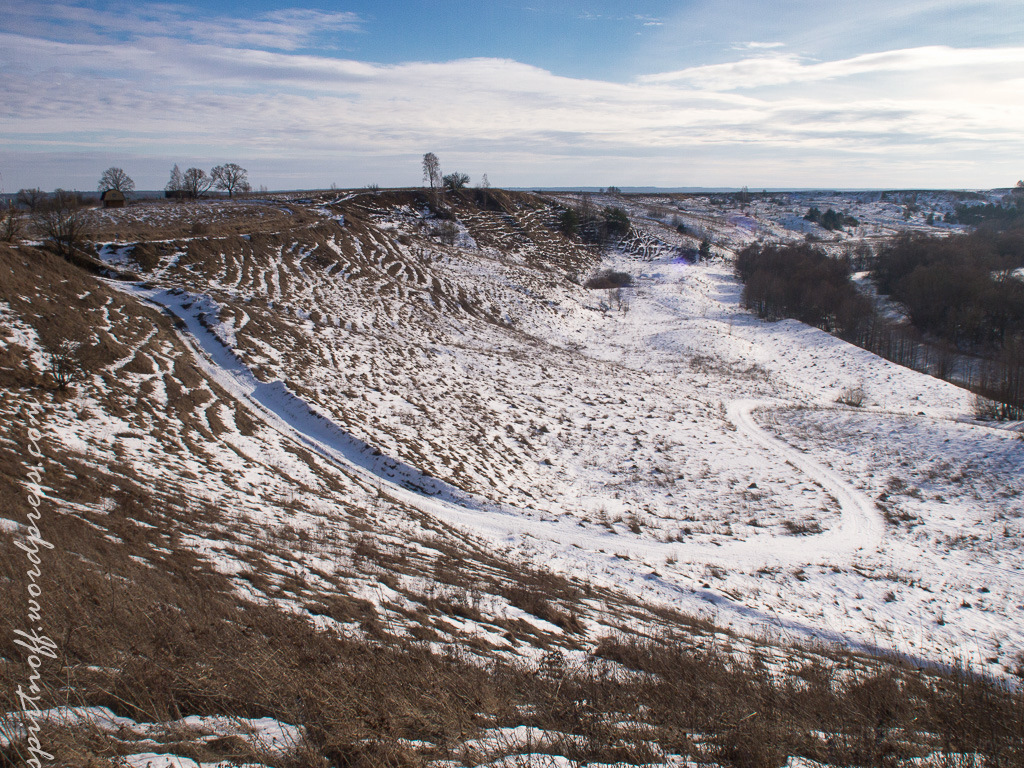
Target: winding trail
x,y
861,528
620,561
856,554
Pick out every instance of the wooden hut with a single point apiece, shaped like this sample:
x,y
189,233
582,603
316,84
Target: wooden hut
x,y
113,198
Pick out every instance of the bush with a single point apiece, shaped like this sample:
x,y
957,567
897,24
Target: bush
x,y
70,362
593,226
607,279
616,222
61,221
852,396
447,232
456,180
830,219
569,222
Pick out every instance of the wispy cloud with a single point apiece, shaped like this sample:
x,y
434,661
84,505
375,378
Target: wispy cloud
x,y
161,83
785,68
285,29
756,46
645,20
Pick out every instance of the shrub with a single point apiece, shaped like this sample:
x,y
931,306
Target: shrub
x,y
607,278
61,221
569,222
852,396
616,222
456,180
447,232
830,219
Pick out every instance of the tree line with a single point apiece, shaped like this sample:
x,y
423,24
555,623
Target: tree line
x,y
195,182
962,295
801,282
961,289
1004,215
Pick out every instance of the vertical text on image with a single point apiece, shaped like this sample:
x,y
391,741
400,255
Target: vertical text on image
x,y
35,641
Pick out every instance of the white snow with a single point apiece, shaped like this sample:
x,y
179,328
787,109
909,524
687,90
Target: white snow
x,y
651,450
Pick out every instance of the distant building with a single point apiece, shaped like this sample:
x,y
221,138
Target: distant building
x,y
113,198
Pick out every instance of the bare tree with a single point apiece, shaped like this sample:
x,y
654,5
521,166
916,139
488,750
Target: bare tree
x,y
61,220
432,170
484,192
68,363
10,223
175,187
116,178
30,198
195,183
231,178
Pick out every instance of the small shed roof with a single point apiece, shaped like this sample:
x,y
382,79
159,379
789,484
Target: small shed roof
x,y
112,194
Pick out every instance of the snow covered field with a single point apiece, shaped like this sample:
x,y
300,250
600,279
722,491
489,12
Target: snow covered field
x,y
682,450
402,417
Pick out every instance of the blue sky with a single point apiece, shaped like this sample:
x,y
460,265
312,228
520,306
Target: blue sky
x,y
914,93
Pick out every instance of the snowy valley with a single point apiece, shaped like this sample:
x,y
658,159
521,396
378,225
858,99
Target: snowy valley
x,y
406,424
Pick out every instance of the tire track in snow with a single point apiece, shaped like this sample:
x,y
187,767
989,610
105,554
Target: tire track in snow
x,y
860,528
563,543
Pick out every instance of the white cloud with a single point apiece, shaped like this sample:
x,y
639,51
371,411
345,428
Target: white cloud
x,y
755,46
284,29
786,68
220,94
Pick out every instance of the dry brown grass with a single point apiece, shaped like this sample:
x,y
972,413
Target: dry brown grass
x,y
170,219
841,712
150,629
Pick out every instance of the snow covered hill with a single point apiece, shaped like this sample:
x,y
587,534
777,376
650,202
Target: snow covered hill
x,y
390,417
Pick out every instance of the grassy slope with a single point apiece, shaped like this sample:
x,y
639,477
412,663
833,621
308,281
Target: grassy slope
x,y
205,564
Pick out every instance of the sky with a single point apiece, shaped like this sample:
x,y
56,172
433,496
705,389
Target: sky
x,y
712,93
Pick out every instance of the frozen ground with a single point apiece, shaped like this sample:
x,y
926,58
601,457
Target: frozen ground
x,y
663,442
373,420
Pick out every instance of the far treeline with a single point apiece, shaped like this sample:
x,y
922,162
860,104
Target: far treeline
x,y
963,299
